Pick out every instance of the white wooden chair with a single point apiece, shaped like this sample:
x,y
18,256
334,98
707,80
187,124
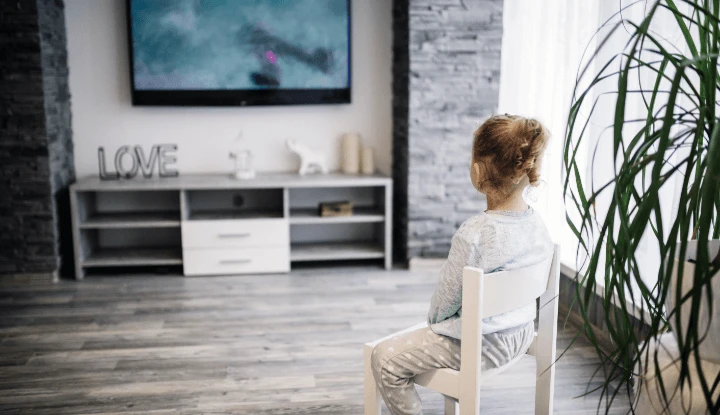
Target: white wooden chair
x,y
485,296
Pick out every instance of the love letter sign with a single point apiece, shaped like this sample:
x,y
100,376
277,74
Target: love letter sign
x,y
160,155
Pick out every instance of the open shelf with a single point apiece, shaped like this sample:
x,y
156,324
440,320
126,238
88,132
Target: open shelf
x,y
119,220
224,204
109,257
176,224
234,214
308,216
331,251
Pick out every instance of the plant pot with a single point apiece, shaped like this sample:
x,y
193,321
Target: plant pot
x,y
709,348
649,391
663,354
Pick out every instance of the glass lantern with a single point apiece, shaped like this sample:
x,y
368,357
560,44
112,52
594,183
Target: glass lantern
x,y
243,165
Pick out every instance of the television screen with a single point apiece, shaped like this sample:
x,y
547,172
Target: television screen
x,y
239,52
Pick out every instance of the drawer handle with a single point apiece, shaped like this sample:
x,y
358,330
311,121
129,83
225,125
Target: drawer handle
x,y
234,261
233,235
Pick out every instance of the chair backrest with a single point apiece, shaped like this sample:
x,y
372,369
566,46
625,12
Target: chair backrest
x,y
507,290
496,293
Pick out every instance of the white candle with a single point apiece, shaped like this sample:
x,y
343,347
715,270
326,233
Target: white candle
x,y
368,160
351,153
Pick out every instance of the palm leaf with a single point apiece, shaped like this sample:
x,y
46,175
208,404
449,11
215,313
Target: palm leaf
x,y
678,136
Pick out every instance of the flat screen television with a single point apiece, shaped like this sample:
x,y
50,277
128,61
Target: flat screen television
x,y
239,52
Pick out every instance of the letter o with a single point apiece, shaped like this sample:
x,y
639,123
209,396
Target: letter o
x,y
128,174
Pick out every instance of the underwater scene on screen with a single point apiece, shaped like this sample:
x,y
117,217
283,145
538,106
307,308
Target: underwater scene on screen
x,y
240,45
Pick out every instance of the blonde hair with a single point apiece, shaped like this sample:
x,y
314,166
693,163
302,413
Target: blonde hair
x,y
509,147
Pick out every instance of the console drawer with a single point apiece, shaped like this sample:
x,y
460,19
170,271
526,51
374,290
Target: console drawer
x,y
228,261
235,233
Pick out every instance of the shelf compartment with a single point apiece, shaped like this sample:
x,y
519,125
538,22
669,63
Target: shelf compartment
x,y
335,251
310,216
111,257
120,220
233,204
111,247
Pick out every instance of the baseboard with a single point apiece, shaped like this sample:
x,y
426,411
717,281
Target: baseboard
x,y
569,314
597,323
29,278
573,319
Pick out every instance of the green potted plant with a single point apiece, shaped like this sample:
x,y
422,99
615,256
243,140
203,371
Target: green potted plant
x,y
674,144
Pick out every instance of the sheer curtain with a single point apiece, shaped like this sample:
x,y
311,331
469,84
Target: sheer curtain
x,y
545,45
542,49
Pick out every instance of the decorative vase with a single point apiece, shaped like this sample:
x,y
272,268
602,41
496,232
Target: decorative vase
x,y
351,153
367,161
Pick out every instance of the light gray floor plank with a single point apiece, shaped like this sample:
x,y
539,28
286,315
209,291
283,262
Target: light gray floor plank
x,y
266,344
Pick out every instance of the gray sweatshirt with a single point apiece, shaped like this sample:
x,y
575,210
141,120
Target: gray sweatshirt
x,y
493,241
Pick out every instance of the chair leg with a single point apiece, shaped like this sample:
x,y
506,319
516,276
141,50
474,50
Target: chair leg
x,y
544,389
451,406
545,379
372,394
546,340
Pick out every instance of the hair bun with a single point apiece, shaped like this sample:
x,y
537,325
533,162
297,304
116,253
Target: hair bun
x,y
512,145
533,141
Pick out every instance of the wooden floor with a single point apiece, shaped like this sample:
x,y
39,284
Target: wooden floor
x,y
281,344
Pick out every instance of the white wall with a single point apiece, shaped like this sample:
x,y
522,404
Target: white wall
x,y
102,114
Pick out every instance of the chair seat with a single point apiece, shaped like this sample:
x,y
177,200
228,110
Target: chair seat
x,y
372,344
445,381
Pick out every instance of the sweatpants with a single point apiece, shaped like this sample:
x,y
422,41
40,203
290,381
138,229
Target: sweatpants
x,y
397,360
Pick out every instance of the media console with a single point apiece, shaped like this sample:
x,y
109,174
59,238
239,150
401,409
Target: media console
x,y
212,224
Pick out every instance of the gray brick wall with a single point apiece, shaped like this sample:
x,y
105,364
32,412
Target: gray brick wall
x,y
454,58
36,159
53,42
58,123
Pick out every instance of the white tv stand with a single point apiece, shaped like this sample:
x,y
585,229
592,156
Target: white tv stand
x,y
212,224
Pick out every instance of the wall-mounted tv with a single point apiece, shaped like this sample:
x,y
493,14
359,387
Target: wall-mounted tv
x,y
239,52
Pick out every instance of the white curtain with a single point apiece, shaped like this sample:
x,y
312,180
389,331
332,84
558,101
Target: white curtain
x,y
542,49
545,45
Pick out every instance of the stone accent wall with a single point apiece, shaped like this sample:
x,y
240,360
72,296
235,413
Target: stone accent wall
x,y
58,123
36,158
454,57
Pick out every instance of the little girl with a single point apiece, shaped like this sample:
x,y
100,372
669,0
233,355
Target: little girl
x,y
506,155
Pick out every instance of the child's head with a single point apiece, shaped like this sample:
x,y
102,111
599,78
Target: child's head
x,y
506,154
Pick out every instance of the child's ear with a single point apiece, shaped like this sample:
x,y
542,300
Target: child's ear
x,y
476,174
